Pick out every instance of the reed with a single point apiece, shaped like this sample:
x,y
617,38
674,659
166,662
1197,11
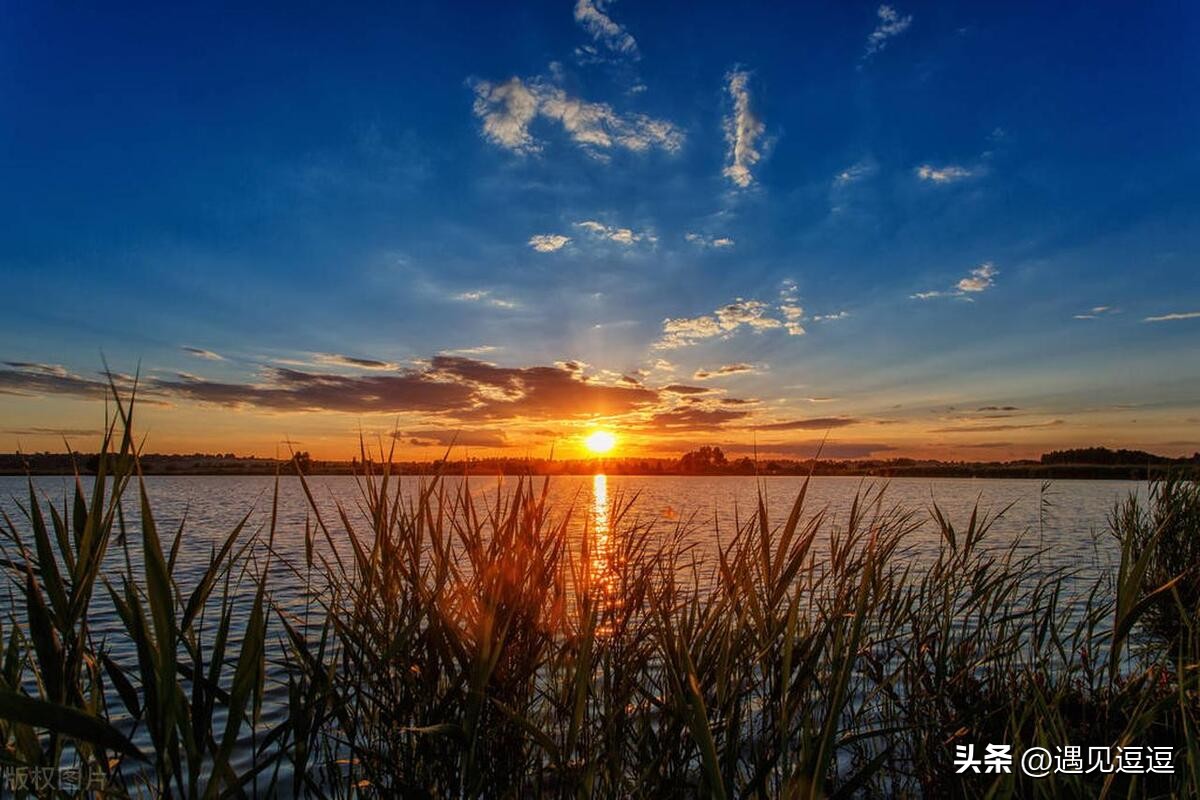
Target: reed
x,y
456,645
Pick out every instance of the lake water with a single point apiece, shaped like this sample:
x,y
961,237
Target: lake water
x,y
1068,520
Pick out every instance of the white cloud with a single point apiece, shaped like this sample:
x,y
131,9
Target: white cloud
x,y
548,242
478,350
682,331
978,280
723,322
727,320
591,15
508,109
746,312
742,130
723,370
484,296
625,236
662,365
947,174
792,315
1174,316
830,317
891,24
1095,312
598,125
700,240
789,305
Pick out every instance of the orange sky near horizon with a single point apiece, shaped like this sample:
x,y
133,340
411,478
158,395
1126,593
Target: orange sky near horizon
x,y
927,431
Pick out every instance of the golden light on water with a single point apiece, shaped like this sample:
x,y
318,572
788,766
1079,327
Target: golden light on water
x,y
602,579
600,512
600,442
599,545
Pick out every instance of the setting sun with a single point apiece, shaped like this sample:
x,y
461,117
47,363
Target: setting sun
x,y
600,442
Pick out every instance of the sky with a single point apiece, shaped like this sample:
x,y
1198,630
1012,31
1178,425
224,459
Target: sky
x,y
950,230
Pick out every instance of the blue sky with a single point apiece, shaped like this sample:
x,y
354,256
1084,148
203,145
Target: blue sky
x,y
967,230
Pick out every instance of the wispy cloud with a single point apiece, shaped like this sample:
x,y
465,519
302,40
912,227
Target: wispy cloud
x,y
723,371
830,317
700,240
1173,316
743,128
484,296
31,378
945,174
477,350
1095,312
996,428
548,242
200,352
890,25
845,184
52,370
447,437
55,432
662,365
859,171
625,236
978,280
789,306
593,16
338,360
507,110
682,388
812,424
696,419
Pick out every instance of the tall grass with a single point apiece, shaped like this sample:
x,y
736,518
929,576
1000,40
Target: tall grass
x,y
456,645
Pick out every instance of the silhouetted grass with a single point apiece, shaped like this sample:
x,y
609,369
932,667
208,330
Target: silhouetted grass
x,y
454,646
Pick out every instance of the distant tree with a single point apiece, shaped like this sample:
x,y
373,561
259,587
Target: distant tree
x,y
1102,455
303,461
706,459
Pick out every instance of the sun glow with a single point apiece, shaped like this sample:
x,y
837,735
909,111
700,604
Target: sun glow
x,y
600,442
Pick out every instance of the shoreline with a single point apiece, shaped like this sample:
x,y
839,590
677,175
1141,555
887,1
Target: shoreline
x,y
998,472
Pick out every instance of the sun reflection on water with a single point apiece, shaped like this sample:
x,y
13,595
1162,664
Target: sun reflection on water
x,y
600,511
601,569
601,566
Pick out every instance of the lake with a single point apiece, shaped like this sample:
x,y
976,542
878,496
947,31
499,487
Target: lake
x,y
1067,520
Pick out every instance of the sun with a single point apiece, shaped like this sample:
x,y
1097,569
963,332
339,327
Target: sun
x,y
600,442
